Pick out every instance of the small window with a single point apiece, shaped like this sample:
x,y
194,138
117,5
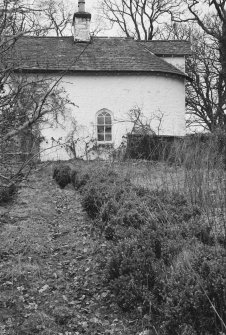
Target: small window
x,y
104,126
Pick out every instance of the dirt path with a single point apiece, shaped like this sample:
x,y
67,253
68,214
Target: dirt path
x,y
49,263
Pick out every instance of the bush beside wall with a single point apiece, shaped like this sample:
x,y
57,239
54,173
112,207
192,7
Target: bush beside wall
x,y
177,149
158,259
150,147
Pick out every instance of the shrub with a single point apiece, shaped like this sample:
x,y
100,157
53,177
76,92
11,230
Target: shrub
x,y
94,198
62,175
109,210
74,176
79,179
171,206
131,273
136,262
194,284
199,229
7,192
150,231
125,218
133,213
104,185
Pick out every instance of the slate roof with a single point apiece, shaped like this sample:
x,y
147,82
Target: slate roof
x,y
169,48
101,55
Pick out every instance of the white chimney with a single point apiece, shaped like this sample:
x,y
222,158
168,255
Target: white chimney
x,y
81,23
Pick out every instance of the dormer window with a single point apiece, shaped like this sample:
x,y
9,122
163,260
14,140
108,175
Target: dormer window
x,y
104,126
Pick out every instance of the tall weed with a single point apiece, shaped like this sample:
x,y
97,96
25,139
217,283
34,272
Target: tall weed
x,y
153,215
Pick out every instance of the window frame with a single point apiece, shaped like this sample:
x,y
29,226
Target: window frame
x,y
98,114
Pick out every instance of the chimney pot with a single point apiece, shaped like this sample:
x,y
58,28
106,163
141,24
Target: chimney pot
x,y
81,6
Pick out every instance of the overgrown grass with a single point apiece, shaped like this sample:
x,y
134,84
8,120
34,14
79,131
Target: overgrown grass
x,y
159,229
165,227
196,170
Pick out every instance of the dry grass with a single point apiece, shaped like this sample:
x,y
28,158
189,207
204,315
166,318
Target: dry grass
x,y
44,218
200,176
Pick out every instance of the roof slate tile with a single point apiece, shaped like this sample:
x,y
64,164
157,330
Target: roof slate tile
x,y
100,55
169,48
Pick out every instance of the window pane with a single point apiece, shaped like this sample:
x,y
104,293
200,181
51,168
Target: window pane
x,y
100,137
108,137
104,126
100,129
108,129
107,120
100,120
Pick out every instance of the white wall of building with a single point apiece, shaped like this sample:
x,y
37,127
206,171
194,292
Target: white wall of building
x,y
178,62
160,98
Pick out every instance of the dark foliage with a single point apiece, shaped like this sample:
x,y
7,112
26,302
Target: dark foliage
x,y
131,273
148,233
175,149
7,193
151,147
62,175
79,179
196,281
103,187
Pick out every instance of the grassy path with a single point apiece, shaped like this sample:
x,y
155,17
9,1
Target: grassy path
x,y
49,277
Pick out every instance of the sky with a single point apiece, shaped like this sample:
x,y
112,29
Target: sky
x,y
98,24
90,4
92,7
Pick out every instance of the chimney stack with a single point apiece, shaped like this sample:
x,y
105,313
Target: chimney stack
x,y
81,23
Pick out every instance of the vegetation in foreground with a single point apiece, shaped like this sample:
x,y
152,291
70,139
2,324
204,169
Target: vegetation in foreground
x,y
163,258
49,266
148,257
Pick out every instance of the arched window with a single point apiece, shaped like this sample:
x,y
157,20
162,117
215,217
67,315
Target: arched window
x,y
104,126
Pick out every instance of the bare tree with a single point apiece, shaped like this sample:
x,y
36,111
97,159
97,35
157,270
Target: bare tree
x,y
206,92
26,103
206,96
140,19
26,106
213,23
55,17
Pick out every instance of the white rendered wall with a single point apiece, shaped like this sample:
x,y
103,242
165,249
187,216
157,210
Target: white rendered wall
x,y
178,62
160,98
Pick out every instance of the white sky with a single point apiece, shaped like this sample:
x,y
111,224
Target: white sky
x,y
92,7
90,4
98,25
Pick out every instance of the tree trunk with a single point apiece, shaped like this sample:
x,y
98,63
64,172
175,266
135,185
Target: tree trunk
x,y
222,49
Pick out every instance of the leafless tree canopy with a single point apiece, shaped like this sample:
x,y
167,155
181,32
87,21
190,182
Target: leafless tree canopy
x,y
54,18
206,95
141,19
26,102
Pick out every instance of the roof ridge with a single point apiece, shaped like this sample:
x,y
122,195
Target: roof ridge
x,y
115,37
70,36
43,37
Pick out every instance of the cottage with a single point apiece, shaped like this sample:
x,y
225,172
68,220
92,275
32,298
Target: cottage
x,y
111,81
